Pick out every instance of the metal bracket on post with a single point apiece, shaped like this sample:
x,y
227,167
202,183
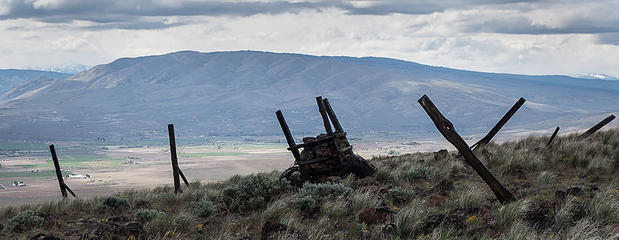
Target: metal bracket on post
x,y
449,132
596,127
63,187
176,171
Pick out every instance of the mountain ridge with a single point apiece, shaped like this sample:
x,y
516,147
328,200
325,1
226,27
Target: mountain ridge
x,y
237,93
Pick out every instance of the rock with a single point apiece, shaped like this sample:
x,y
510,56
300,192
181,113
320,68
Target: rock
x,y
388,231
444,186
575,191
269,228
133,228
560,195
365,182
142,204
370,216
435,200
334,179
440,155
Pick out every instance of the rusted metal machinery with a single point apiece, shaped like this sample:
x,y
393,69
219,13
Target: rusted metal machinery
x,y
325,155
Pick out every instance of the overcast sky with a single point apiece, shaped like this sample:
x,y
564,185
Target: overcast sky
x,y
529,37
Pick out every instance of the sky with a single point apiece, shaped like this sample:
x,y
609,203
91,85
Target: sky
x,y
525,37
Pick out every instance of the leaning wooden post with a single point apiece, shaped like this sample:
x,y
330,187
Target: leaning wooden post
x,y
63,186
332,116
554,134
175,170
288,135
486,139
323,114
596,127
449,132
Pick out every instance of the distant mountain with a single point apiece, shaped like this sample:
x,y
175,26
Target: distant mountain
x,y
237,93
10,78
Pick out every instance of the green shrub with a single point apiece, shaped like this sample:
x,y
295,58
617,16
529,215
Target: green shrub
x,y
145,215
114,204
203,208
24,221
414,174
311,195
398,194
253,193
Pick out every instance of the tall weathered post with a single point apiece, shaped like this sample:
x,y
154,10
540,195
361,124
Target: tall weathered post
x,y
486,139
323,114
63,186
288,135
332,116
449,132
554,134
175,169
596,127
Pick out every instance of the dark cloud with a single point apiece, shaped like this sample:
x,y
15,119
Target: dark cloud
x,y
149,14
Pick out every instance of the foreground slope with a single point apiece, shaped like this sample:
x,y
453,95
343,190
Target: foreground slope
x,y
237,93
568,191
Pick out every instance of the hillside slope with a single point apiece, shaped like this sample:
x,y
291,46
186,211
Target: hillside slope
x,y
10,78
237,93
570,191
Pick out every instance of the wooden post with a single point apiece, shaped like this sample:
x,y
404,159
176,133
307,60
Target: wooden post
x,y
288,135
449,132
596,127
554,134
63,186
175,170
323,114
180,172
486,139
332,116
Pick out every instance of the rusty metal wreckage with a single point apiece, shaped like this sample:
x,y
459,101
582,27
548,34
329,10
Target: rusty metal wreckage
x,y
331,154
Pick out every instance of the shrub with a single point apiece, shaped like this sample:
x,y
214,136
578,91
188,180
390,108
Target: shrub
x,y
604,207
572,210
24,221
114,204
203,208
414,174
253,192
145,215
311,195
400,195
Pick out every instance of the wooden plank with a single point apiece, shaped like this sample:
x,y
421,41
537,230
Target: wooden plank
x,y
323,114
449,132
288,135
332,116
486,139
180,172
596,127
63,190
175,170
554,134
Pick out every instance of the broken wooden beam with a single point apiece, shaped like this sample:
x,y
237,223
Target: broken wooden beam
x,y
449,132
486,139
63,186
332,116
554,134
323,114
288,135
175,169
596,127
